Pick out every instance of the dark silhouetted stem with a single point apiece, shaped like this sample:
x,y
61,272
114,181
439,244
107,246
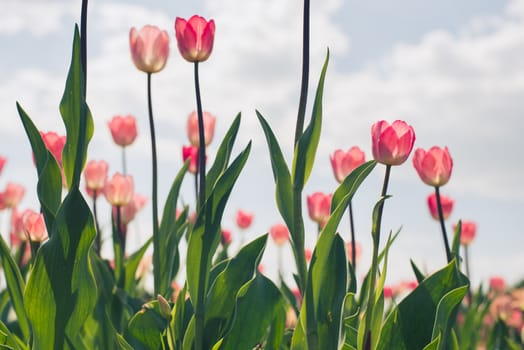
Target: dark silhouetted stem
x,y
120,231
305,74
156,241
201,162
98,242
353,243
442,225
83,43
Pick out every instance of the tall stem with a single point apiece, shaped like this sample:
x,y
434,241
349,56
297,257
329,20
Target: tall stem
x,y
83,43
156,240
374,263
353,243
98,242
124,162
442,225
298,240
305,74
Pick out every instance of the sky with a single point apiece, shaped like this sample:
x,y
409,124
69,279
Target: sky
x,y
453,70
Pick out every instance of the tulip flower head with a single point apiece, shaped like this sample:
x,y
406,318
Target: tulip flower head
x,y
447,206
433,166
95,174
226,237
119,190
319,206
195,38
191,153
3,160
192,128
343,163
149,48
13,194
129,211
123,129
392,144
358,251
467,233
55,144
34,226
244,219
497,284
279,233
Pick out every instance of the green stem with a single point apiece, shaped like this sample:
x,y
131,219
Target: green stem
x,y
98,242
442,225
124,162
374,263
156,238
305,74
353,243
298,240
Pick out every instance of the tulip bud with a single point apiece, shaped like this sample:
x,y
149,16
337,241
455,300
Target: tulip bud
x,y
433,166
343,163
13,194
95,174
447,206
54,143
149,48
467,232
3,160
34,226
392,144
319,206
192,128
191,153
244,219
119,190
195,38
123,129
279,233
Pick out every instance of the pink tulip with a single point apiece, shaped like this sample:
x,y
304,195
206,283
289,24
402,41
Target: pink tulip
x,y
119,190
226,237
309,254
433,166
3,160
17,233
467,233
244,219
392,144
358,251
497,284
195,38
13,194
388,292
123,129
192,128
149,48
95,174
2,201
447,206
55,144
34,226
191,153
279,233
319,207
129,211
343,163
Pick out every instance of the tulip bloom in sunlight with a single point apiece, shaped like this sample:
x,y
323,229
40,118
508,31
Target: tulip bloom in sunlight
x,y
123,129
191,153
433,166
34,226
497,284
319,206
195,38
130,210
392,144
447,206
13,194
149,48
279,233
119,190
343,163
192,128
54,143
244,219
95,174
467,233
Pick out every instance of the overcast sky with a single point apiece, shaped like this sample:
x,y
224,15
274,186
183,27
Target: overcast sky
x,y
453,70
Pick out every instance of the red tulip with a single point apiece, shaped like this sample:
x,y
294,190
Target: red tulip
x,y
226,237
279,233
119,190
55,144
392,144
497,284
319,206
149,48
34,226
244,219
195,38
447,206
3,160
467,233
123,129
343,163
191,153
433,166
13,194
95,174
309,254
192,128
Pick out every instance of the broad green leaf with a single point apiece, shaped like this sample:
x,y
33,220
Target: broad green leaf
x,y
281,175
446,312
434,345
77,119
146,327
8,340
418,274
258,303
131,265
15,287
307,145
61,290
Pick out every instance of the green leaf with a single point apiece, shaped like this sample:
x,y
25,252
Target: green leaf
x,y
455,245
446,312
258,304
307,144
8,340
281,175
77,119
15,287
131,265
146,327
418,274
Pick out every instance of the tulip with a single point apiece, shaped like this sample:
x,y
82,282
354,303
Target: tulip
x,y
226,237
130,210
54,143
123,129
95,174
17,233
244,219
319,206
2,201
447,206
279,233
34,226
192,128
309,254
119,190
467,233
343,163
358,251
392,144
149,48
433,166
3,160
191,153
497,284
195,38
13,194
